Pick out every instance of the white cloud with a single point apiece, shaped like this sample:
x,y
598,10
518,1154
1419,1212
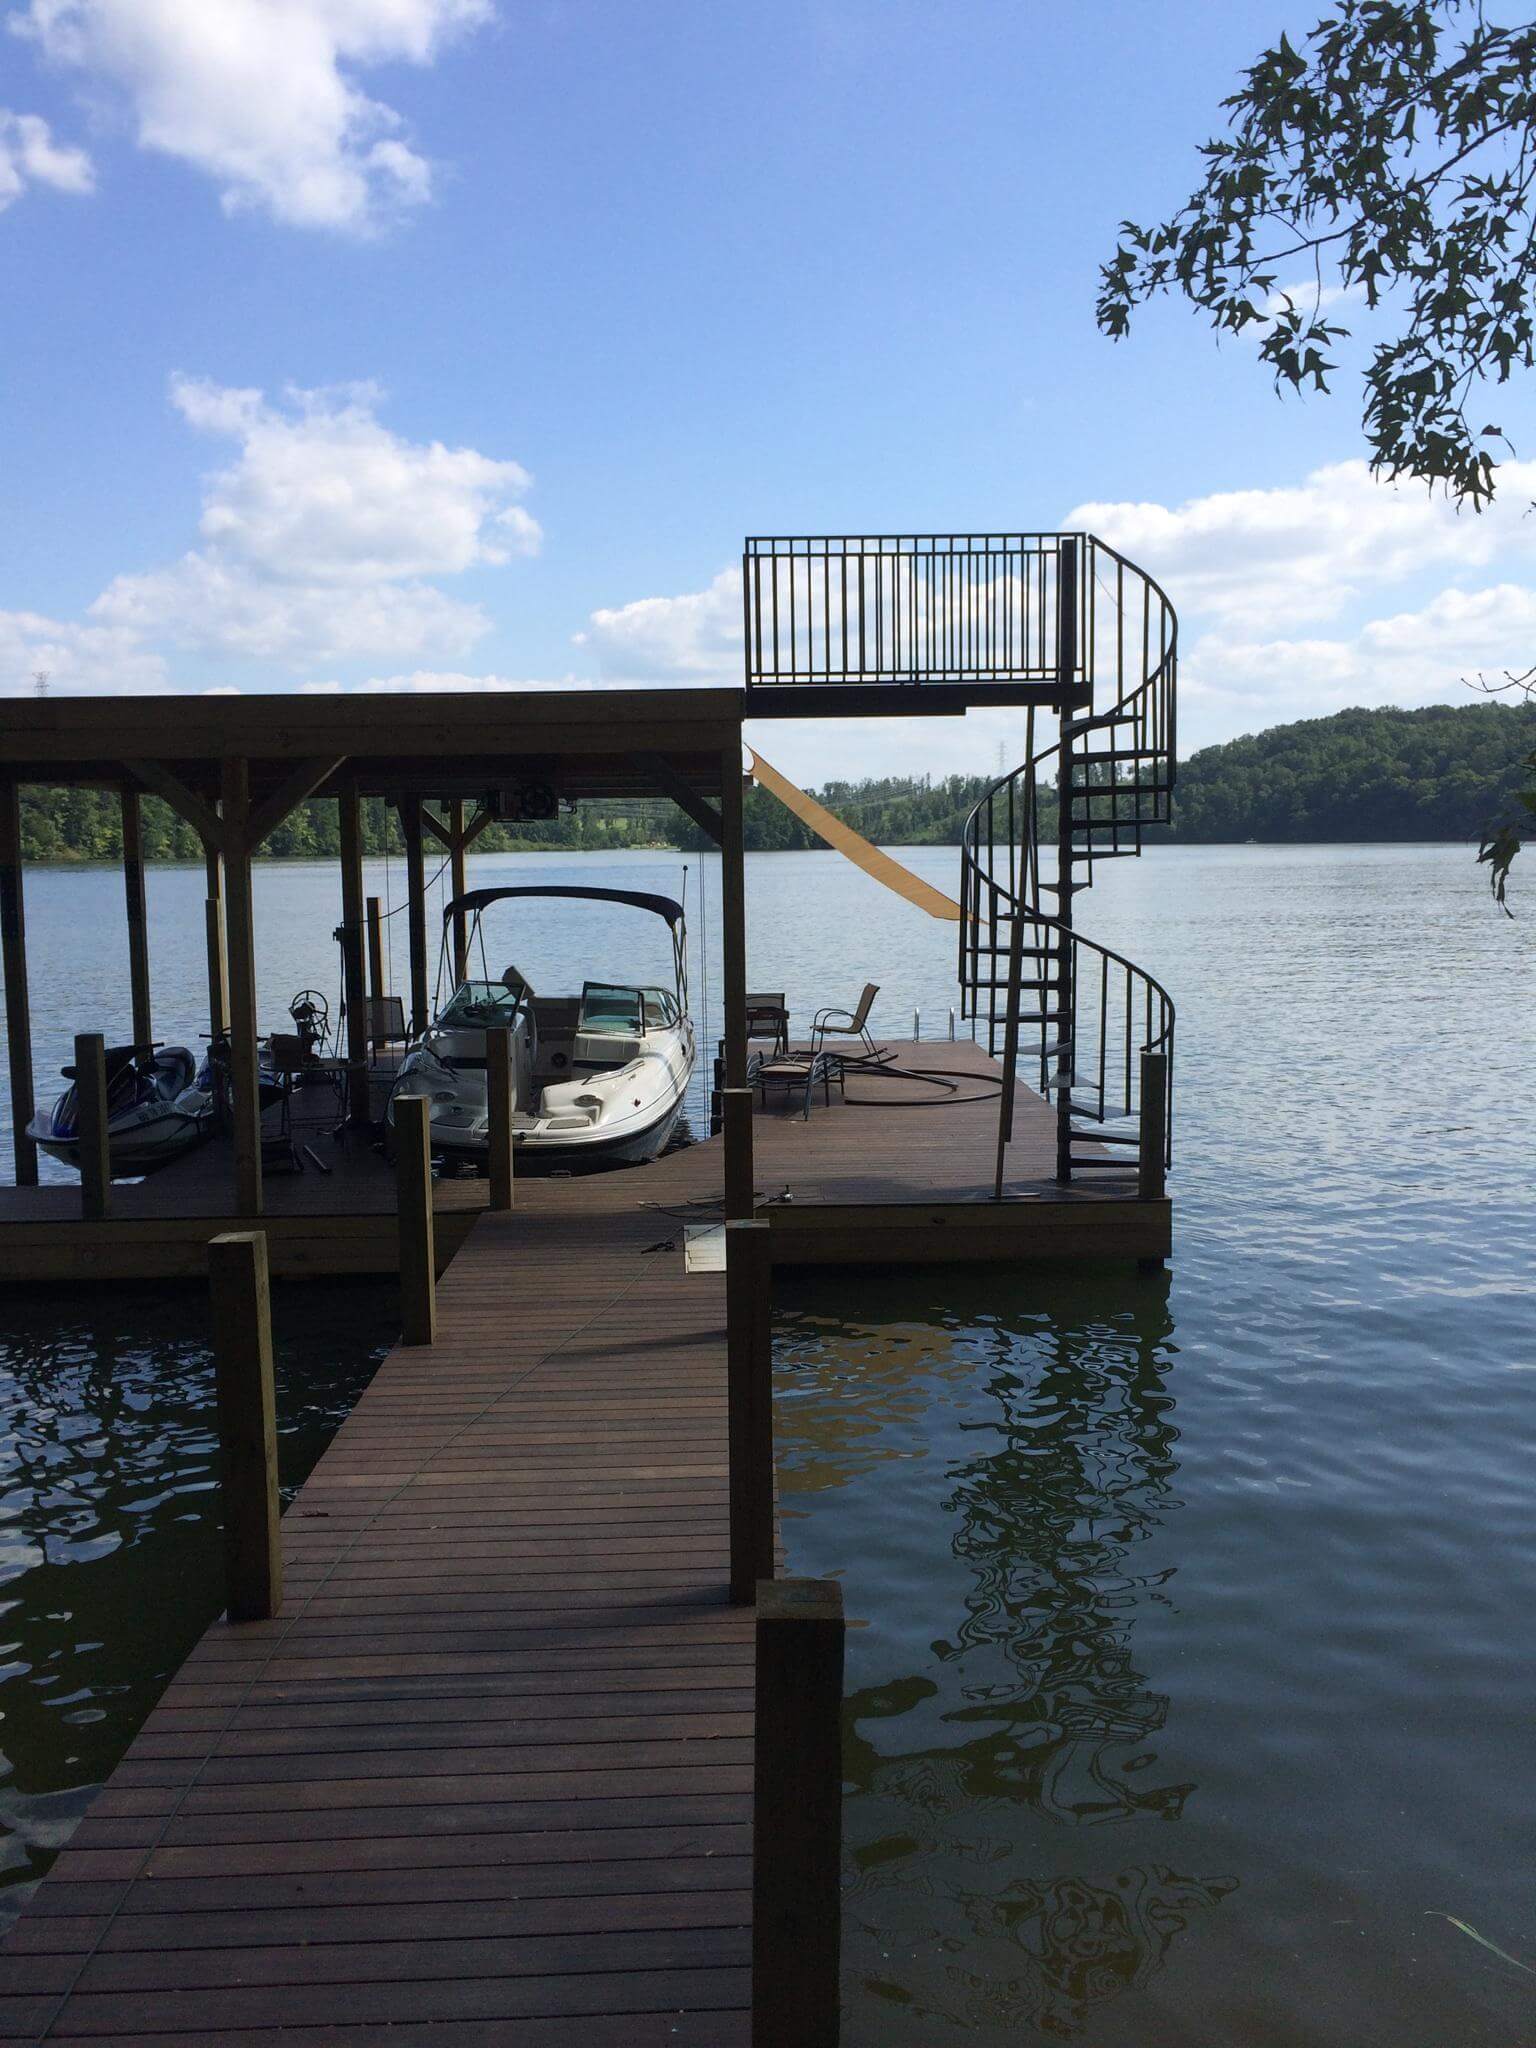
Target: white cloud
x,y
1302,553
30,156
318,537
78,661
1424,655
695,638
259,95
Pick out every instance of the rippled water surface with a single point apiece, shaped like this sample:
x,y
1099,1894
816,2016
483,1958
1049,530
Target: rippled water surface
x,y
1191,1676
110,1558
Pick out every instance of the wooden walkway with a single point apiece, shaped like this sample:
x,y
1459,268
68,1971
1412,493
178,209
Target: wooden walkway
x,y
492,1765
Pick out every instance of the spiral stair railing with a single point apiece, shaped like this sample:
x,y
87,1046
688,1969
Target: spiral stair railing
x,y
1045,995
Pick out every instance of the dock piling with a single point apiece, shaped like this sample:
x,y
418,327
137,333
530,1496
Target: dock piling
x,y
749,1404
499,1097
413,1167
91,1125
740,1196
797,1813
1152,1152
242,1353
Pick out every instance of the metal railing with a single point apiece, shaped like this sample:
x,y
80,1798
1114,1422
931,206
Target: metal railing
x,y
905,608
1091,1013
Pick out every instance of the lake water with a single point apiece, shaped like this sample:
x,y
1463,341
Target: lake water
x,y
1190,1680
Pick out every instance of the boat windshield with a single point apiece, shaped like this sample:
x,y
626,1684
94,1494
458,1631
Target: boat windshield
x,y
606,1007
478,1003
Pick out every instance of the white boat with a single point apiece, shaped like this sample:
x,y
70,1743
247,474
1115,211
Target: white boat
x,y
158,1107
597,1076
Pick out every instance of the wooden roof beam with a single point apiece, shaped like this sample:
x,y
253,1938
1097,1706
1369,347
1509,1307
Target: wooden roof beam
x,y
266,816
685,796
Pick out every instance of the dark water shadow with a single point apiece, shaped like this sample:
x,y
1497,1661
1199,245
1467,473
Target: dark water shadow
x,y
110,1556
991,1466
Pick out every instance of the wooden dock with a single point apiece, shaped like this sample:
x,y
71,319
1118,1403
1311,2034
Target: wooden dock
x,y
905,1167
488,1776
492,1764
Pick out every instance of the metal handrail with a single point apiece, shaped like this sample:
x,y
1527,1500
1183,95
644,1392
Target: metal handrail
x,y
1091,997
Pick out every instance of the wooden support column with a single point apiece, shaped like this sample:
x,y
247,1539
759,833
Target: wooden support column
x,y
733,919
376,986
457,871
18,1011
218,947
797,1813
138,926
416,909
749,1405
354,986
499,1102
736,1109
242,1355
91,1125
418,1268
245,1106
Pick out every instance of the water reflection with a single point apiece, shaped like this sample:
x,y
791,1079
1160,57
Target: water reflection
x,y
994,1483
109,1532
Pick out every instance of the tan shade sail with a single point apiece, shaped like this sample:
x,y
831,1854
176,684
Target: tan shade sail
x,y
844,840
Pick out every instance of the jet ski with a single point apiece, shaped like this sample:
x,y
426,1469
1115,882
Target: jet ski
x,y
158,1107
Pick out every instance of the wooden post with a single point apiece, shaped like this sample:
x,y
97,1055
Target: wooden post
x,y
740,1194
138,924
749,1404
733,919
245,1105
354,987
499,1106
18,1012
418,1271
242,1356
416,909
457,873
1152,1153
797,1813
376,984
218,949
91,1125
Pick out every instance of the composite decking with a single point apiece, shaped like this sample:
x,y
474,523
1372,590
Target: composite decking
x,y
487,1778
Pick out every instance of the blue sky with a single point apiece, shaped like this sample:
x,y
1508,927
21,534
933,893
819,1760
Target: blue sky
x,y
434,341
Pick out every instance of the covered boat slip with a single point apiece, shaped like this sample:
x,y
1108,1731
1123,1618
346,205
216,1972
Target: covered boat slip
x,y
235,766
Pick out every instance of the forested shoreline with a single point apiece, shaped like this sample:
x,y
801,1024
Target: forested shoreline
x,y
1442,772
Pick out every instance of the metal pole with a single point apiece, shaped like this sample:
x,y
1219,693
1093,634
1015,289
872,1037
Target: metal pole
x,y
1066,674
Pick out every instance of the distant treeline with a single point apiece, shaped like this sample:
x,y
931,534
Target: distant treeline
x,y
86,824
1444,772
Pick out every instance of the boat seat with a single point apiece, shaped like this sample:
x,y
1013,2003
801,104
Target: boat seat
x,y
605,1049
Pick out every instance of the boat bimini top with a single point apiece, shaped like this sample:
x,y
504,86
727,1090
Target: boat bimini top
x,y
475,902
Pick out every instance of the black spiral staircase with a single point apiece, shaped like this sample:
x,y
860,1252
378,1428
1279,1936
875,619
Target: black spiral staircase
x,y
1045,996
1063,627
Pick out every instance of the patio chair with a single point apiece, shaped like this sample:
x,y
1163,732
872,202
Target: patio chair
x,y
768,1018
858,1051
